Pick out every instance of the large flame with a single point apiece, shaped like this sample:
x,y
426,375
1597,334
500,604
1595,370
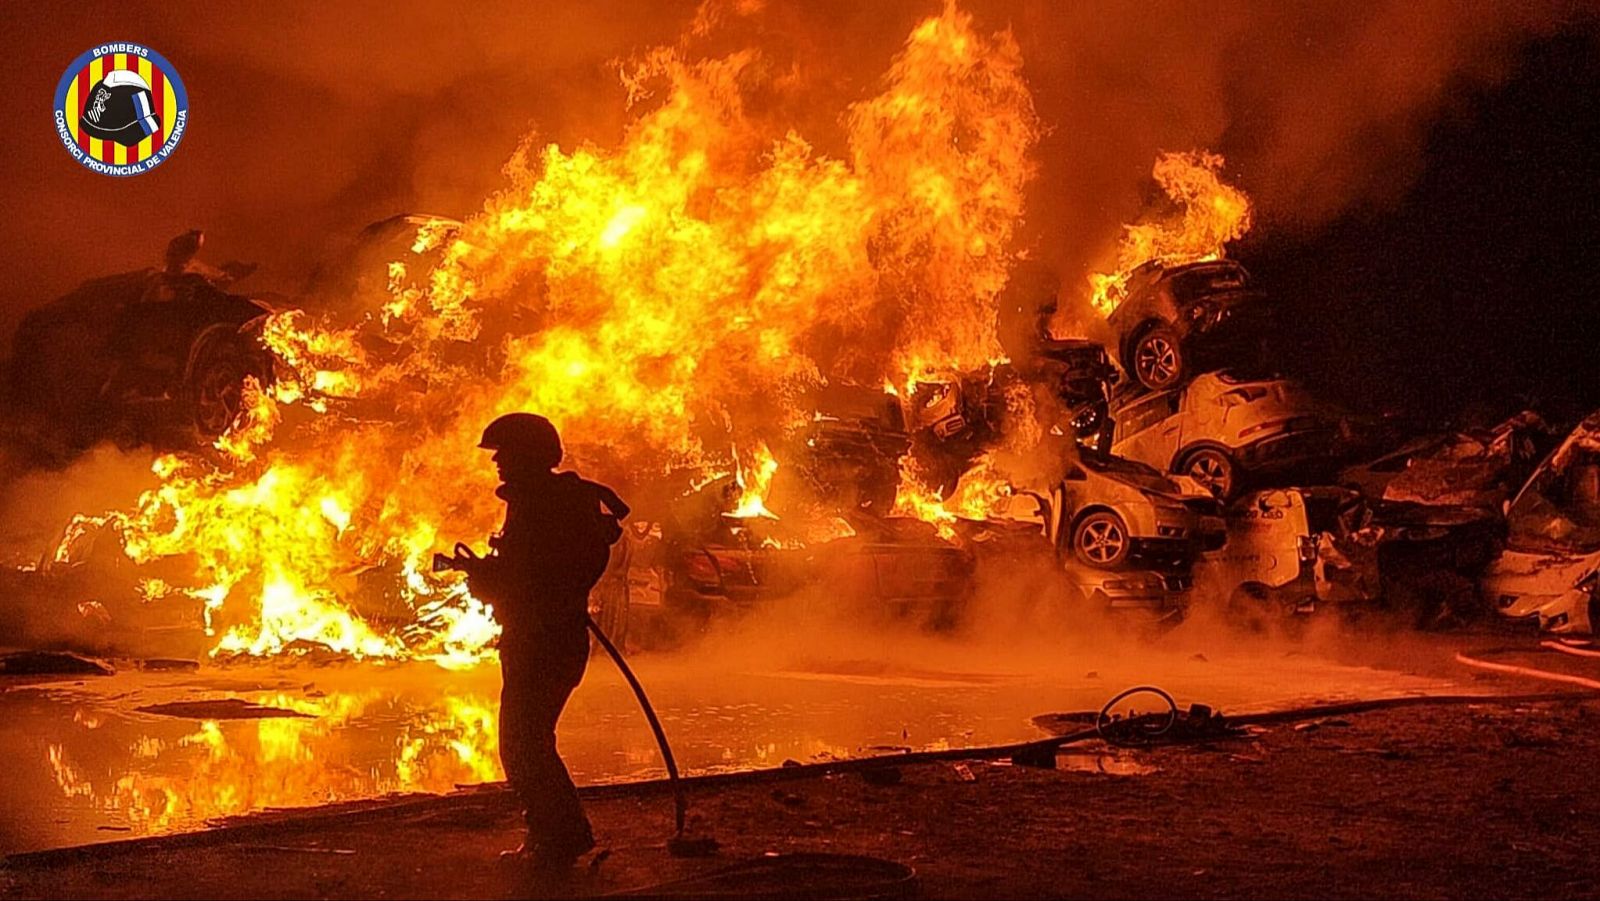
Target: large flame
x,y
1212,214
663,302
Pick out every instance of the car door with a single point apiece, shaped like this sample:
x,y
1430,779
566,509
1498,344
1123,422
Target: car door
x,y
1150,430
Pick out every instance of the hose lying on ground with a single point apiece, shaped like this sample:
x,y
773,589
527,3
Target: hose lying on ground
x,y
1575,650
1143,726
1529,671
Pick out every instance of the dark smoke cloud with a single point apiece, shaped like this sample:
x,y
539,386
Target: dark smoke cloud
x,y
310,120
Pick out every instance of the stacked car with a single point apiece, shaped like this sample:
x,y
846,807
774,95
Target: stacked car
x,y
1167,457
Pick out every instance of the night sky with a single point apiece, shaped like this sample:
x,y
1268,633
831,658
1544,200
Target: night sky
x,y
1482,286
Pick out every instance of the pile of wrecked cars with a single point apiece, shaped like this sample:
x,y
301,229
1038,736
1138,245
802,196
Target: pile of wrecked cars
x,y
157,355
1409,529
1175,468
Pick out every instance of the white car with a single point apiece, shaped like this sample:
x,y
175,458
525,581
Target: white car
x,y
1157,589
1110,513
1290,548
1548,572
1222,426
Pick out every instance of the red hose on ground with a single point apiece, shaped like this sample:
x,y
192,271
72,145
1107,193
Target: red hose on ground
x,y
1572,649
1529,671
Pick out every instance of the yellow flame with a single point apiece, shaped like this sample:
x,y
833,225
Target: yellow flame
x,y
1214,213
755,481
658,300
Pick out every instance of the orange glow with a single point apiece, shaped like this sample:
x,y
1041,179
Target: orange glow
x,y
1214,213
659,301
980,493
282,762
755,481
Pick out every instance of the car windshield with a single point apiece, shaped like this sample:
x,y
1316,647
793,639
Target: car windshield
x,y
1207,280
1560,507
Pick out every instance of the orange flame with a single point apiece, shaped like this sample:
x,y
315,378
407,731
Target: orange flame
x,y
1214,214
755,481
659,301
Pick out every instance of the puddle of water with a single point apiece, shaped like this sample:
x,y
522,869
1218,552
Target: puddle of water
x,y
84,764
1103,764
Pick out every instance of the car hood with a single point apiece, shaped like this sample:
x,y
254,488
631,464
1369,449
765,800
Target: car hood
x,y
1517,572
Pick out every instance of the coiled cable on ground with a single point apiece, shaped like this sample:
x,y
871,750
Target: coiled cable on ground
x,y
1134,729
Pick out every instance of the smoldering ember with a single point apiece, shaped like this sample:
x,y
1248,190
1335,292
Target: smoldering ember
x,y
937,448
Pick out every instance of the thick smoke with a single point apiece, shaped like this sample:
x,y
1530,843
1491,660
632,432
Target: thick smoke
x,y
308,123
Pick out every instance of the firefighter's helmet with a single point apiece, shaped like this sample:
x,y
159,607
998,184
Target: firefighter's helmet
x,y
118,108
526,434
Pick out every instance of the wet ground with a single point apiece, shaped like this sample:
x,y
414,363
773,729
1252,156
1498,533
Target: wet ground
x,y
86,764
1459,800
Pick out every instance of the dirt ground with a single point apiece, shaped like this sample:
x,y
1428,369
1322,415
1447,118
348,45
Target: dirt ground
x,y
1466,801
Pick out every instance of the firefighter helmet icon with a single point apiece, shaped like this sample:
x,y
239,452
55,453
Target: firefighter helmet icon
x,y
119,109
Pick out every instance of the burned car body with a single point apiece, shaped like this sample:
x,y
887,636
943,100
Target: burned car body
x,y
954,420
1177,320
849,451
1078,376
1473,468
896,569
1290,550
1548,572
1224,426
144,356
1064,386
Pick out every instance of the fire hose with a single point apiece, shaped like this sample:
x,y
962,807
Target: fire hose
x,y
679,845
464,559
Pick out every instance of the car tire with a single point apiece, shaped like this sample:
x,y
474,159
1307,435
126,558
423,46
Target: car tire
x,y
1157,360
1100,540
215,387
1214,469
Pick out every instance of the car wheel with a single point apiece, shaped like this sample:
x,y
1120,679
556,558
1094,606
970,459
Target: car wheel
x,y
216,387
1158,359
1213,469
1100,540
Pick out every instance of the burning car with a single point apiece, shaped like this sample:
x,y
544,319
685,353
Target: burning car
x,y
1065,386
357,277
1548,573
1174,320
954,420
848,453
154,355
1223,426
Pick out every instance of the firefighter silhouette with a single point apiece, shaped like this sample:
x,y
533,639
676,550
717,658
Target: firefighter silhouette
x,y
118,108
557,539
